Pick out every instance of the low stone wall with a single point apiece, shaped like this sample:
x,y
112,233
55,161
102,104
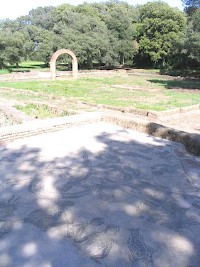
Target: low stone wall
x,y
190,141
35,127
13,114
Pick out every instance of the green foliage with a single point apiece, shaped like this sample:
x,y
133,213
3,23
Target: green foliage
x,y
161,26
11,44
42,17
40,111
39,44
86,36
106,34
192,42
4,71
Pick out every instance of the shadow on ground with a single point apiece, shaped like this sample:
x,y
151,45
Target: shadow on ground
x,y
28,68
120,203
190,84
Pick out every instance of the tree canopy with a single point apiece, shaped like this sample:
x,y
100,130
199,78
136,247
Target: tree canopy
x,y
159,29
105,34
192,43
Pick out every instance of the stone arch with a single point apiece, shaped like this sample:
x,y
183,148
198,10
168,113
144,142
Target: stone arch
x,y
54,58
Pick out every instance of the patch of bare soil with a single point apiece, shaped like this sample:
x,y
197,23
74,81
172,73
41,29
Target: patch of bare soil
x,y
17,76
188,121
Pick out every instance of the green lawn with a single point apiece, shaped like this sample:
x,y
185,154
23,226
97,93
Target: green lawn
x,y
40,111
143,92
4,71
25,67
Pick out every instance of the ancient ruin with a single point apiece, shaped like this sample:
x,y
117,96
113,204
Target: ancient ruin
x,y
54,58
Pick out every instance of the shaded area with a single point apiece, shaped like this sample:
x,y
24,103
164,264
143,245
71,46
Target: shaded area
x,y
190,84
112,198
27,67
181,72
23,67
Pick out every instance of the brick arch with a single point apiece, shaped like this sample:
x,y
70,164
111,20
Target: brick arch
x,y
54,58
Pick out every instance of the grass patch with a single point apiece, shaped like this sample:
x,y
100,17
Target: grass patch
x,y
40,111
25,67
32,65
102,90
28,66
4,71
18,96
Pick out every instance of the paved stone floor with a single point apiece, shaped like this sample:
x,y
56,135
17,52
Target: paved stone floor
x,y
98,195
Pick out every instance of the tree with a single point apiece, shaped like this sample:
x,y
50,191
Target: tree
x,y
100,33
161,26
39,43
11,43
42,17
120,19
86,35
111,33
192,43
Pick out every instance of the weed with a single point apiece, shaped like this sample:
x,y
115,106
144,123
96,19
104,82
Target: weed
x,y
40,111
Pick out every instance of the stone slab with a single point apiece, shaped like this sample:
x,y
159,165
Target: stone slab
x,y
98,195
